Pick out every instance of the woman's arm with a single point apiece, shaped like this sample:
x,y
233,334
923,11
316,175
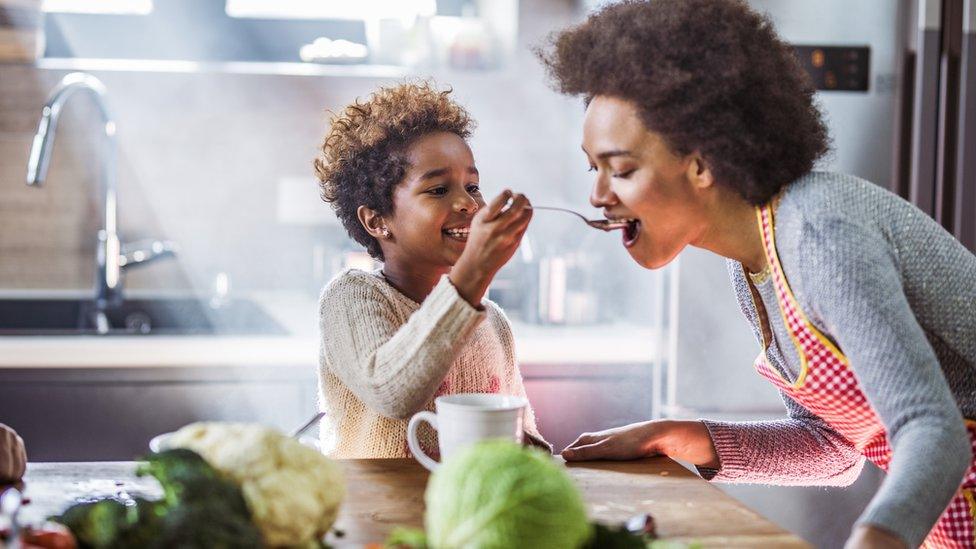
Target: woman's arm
x,y
799,451
802,450
849,278
394,368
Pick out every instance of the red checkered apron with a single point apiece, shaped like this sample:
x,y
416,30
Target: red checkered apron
x,y
828,387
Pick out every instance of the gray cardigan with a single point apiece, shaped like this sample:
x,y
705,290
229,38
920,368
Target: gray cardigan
x,y
897,293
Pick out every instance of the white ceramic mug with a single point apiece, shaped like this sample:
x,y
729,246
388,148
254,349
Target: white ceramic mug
x,y
466,418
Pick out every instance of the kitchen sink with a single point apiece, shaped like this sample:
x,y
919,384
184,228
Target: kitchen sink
x,y
162,316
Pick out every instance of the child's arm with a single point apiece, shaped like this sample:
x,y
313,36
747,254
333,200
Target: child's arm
x,y
514,374
393,367
495,235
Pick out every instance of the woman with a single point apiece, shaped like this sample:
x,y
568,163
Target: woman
x,y
701,128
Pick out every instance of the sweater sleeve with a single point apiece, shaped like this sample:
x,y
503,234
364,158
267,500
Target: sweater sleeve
x,y
802,450
393,367
852,285
514,372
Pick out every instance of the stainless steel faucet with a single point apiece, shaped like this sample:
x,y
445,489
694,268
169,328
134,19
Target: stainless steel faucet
x,y
111,258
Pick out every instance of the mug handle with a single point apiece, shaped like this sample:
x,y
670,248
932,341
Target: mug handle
x,y
414,443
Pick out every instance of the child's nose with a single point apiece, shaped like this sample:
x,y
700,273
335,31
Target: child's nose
x,y
466,204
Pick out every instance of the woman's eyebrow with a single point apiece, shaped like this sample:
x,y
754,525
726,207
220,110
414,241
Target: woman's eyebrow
x,y
610,154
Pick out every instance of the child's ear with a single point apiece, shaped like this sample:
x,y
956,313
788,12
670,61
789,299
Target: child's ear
x,y
373,222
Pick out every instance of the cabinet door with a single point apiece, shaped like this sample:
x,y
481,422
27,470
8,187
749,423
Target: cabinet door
x,y
105,421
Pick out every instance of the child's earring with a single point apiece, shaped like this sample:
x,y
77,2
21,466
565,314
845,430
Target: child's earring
x,y
386,232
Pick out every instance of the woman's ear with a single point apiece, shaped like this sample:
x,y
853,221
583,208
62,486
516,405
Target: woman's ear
x,y
373,222
698,172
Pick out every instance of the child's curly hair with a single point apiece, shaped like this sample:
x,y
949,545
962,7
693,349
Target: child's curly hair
x,y
363,156
708,75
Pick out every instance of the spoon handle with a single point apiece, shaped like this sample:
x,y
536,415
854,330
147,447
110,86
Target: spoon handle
x,y
308,425
601,224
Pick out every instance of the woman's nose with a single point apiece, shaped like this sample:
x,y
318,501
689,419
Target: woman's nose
x,y
601,196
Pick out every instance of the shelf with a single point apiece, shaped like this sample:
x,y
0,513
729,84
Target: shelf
x,y
253,67
230,67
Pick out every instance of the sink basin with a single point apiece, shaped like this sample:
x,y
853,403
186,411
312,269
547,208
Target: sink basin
x,y
143,316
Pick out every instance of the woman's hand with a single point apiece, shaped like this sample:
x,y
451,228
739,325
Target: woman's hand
x,y
685,440
13,455
872,537
495,235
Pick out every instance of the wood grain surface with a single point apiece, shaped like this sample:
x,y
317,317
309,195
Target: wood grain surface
x,y
383,494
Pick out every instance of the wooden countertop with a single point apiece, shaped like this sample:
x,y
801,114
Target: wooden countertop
x,y
384,493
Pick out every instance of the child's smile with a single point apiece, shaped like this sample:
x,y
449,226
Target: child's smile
x,y
458,233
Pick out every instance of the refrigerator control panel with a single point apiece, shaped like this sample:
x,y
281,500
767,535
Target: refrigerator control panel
x,y
836,68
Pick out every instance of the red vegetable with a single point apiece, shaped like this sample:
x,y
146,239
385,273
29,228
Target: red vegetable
x,y
51,536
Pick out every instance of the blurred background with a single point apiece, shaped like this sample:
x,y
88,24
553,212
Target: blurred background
x,y
199,128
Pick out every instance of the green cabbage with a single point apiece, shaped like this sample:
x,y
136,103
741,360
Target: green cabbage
x,y
497,494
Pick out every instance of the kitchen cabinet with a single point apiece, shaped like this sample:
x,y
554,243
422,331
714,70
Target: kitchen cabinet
x,y
95,414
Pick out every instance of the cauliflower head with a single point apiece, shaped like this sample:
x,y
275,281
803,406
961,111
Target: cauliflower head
x,y
292,490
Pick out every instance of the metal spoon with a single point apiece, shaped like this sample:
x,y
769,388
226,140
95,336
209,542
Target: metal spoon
x,y
307,425
602,224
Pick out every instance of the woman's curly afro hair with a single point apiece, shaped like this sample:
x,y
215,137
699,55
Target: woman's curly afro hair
x,y
708,75
363,156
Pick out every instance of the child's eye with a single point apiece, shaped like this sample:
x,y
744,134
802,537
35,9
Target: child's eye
x,y
438,191
592,168
474,189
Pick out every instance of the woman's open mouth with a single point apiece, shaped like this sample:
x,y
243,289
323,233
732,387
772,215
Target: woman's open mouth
x,y
631,232
458,233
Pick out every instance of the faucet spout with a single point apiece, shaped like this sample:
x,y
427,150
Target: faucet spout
x,y
108,273
41,147
110,259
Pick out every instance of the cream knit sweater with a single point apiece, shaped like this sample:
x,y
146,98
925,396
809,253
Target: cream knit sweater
x,y
384,357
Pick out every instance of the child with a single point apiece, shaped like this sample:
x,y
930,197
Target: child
x,y
403,182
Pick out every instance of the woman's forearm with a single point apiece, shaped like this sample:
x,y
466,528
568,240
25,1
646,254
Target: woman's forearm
x,y
688,441
790,452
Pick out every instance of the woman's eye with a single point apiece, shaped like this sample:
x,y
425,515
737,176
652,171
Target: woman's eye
x,y
438,191
624,175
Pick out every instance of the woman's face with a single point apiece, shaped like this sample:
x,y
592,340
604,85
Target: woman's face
x,y
639,177
434,204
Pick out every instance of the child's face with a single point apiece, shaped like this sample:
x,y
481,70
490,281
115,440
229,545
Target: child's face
x,y
434,204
